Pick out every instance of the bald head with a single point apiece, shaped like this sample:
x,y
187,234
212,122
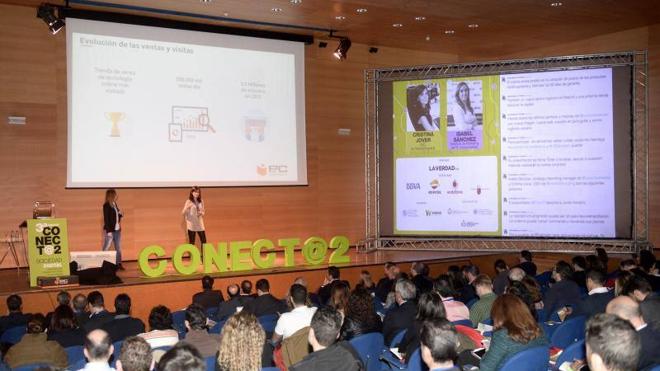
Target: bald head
x,y
516,274
232,290
98,346
626,308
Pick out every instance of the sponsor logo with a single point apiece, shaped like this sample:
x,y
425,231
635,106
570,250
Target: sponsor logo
x,y
410,186
455,190
442,168
451,211
482,212
466,223
275,170
434,187
410,213
430,212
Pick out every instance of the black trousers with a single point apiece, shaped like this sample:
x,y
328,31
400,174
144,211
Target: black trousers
x,y
191,236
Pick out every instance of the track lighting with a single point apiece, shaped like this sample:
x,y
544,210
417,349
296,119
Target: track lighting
x,y
47,14
342,49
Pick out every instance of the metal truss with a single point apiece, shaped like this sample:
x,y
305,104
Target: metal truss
x,y
373,77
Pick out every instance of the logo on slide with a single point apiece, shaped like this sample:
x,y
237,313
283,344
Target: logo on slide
x,y
455,190
410,213
430,212
435,183
262,170
275,170
410,186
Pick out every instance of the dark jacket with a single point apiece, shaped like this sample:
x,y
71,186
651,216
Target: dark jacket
x,y
68,338
529,268
580,277
352,328
650,354
500,282
109,217
383,288
96,321
325,291
397,319
423,284
13,319
227,308
410,341
123,326
561,294
208,298
467,293
593,304
265,304
337,357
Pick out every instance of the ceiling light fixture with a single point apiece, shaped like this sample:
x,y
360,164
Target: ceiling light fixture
x,y
340,17
295,2
373,50
473,25
421,18
342,50
449,32
361,10
47,14
556,4
205,1
277,10
397,25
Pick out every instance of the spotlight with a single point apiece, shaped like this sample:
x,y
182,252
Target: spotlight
x,y
342,49
373,50
47,13
322,44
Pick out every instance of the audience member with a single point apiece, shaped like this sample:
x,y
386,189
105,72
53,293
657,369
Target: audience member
x,y
329,355
602,256
35,347
563,293
628,309
98,314
265,303
612,344
63,328
331,279
628,265
135,355
182,357
579,270
429,308
339,298
197,335
621,281
80,309
420,277
123,325
516,274
242,344
480,311
521,291
598,297
637,287
501,279
63,298
651,311
360,317
208,298
160,325
366,281
229,307
298,318
439,348
312,298
534,290
402,316
456,310
456,278
514,329
15,317
386,284
246,292
593,262
526,263
98,350
468,292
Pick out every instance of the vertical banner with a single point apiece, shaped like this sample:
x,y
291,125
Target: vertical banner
x,y
48,248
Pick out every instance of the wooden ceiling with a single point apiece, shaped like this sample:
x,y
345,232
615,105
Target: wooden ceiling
x,y
504,26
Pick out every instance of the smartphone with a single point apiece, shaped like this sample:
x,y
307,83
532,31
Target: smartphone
x,y
479,352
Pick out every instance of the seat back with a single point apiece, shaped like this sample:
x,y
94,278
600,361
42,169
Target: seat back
x,y
13,335
463,322
572,353
212,312
217,327
268,322
74,354
178,322
415,362
568,332
396,340
210,363
369,347
531,359
266,369
31,367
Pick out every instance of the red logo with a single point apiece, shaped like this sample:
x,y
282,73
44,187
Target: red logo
x,y
454,184
478,190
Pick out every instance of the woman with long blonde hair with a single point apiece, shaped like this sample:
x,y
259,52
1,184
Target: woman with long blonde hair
x,y
241,343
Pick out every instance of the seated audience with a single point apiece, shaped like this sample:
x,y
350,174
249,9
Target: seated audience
x,y
626,308
468,293
242,344
621,281
651,311
35,347
197,335
534,289
602,256
612,344
229,307
598,297
366,282
246,291
98,314
208,298
403,314
501,279
63,328
160,325
429,308
386,284
123,325
135,355
329,355
98,350
628,265
521,291
299,317
526,263
361,317
638,288
331,279
579,270
80,309
456,278
563,293
63,298
593,262
265,303
456,310
312,298
514,330
439,348
516,274
15,317
182,356
420,277
339,298
480,311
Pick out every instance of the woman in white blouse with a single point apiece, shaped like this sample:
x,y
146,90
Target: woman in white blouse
x,y
464,117
193,213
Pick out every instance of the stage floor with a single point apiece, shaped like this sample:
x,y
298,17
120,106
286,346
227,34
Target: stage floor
x,y
13,281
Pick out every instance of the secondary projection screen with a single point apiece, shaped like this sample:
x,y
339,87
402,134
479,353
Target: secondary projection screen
x,y
539,154
157,107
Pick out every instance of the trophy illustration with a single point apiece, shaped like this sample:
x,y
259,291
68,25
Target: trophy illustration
x,y
115,118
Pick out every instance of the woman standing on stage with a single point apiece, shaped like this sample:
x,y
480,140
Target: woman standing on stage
x,y
112,224
193,213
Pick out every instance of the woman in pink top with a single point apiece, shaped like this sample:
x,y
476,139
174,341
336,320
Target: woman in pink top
x,y
456,310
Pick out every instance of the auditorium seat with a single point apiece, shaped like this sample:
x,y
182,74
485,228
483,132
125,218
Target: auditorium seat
x,y
210,363
217,327
212,313
369,347
573,352
268,322
396,340
74,354
178,321
265,369
115,354
463,322
414,363
13,335
532,359
32,367
569,332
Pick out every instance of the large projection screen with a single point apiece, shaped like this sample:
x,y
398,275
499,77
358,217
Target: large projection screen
x,y
159,107
544,154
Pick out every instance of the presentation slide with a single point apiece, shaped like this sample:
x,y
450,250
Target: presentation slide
x,y
154,107
512,155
